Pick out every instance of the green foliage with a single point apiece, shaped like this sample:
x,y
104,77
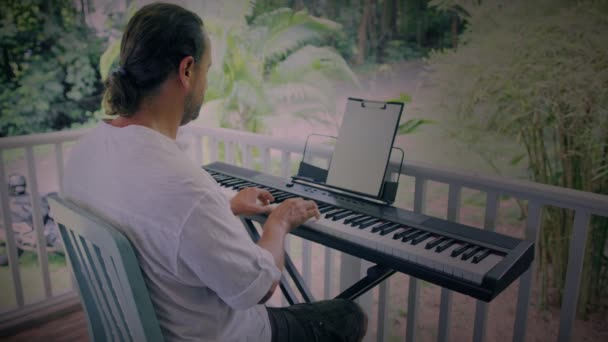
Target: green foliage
x,y
48,57
273,61
536,73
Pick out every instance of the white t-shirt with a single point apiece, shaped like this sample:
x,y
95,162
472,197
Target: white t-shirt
x,y
204,273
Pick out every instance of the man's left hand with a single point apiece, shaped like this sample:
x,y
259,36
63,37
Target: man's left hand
x,y
251,201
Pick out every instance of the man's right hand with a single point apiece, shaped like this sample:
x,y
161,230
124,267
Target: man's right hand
x,y
292,213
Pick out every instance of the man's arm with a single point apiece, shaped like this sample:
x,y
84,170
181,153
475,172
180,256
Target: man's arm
x,y
290,214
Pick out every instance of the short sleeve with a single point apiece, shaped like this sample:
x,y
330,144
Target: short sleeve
x,y
216,251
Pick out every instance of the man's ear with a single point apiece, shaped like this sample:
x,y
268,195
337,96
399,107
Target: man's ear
x,y
186,72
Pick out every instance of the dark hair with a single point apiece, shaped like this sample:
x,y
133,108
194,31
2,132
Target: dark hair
x,y
155,41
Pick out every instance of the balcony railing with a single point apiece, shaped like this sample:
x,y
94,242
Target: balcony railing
x,y
274,155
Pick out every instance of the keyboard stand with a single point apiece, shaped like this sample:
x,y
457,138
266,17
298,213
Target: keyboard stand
x,y
375,275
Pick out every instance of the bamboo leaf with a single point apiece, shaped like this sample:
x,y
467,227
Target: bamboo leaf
x,y
411,125
517,159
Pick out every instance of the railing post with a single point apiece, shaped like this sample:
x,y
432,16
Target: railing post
x,y
454,196
329,271
198,149
414,290
481,308
229,152
246,150
525,281
213,147
37,220
266,160
59,161
576,257
11,244
383,305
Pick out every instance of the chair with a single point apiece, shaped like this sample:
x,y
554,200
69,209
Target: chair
x,y
111,286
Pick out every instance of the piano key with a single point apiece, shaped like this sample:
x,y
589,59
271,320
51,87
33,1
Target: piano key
x,y
232,182
415,233
336,212
343,215
404,232
482,255
447,244
368,223
327,209
434,243
361,219
382,226
470,253
460,250
390,229
421,238
351,219
323,206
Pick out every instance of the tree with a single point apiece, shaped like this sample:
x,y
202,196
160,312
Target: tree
x,y
48,57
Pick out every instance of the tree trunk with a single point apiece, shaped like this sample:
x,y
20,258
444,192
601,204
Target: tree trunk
x,y
298,5
362,34
83,17
454,30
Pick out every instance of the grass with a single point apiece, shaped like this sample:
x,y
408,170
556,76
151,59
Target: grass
x,y
31,280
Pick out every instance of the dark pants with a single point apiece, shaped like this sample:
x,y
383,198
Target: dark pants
x,y
328,320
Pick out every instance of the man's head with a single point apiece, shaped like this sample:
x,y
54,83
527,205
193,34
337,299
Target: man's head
x,y
162,43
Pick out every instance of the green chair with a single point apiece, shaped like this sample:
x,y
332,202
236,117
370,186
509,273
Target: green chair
x,y
111,286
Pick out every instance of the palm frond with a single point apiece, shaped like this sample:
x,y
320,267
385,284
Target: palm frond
x,y
321,59
288,30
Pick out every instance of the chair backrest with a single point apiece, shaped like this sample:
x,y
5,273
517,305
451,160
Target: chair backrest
x,y
110,282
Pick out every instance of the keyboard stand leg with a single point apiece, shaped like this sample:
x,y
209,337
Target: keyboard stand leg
x,y
375,275
291,270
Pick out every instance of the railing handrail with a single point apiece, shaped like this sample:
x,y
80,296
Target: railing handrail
x,y
21,141
597,204
523,189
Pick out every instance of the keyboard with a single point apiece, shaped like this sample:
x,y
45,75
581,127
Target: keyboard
x,y
465,259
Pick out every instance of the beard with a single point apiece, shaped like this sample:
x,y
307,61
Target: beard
x,y
191,109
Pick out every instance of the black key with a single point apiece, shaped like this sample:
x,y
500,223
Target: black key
x,y
368,223
460,250
281,198
470,253
432,244
342,215
421,238
232,182
351,219
221,178
412,235
407,230
323,205
445,246
390,229
382,226
326,209
481,256
334,213
363,218
242,186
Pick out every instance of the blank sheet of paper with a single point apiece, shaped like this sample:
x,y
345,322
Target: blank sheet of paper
x,y
364,144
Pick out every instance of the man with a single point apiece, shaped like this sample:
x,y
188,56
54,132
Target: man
x,y
206,278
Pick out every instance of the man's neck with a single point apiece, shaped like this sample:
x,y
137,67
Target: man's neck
x,y
155,113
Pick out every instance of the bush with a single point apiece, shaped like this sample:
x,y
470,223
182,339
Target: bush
x,y
536,72
48,57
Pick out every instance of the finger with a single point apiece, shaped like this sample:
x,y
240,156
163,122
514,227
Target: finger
x,y
310,204
313,213
265,196
264,209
